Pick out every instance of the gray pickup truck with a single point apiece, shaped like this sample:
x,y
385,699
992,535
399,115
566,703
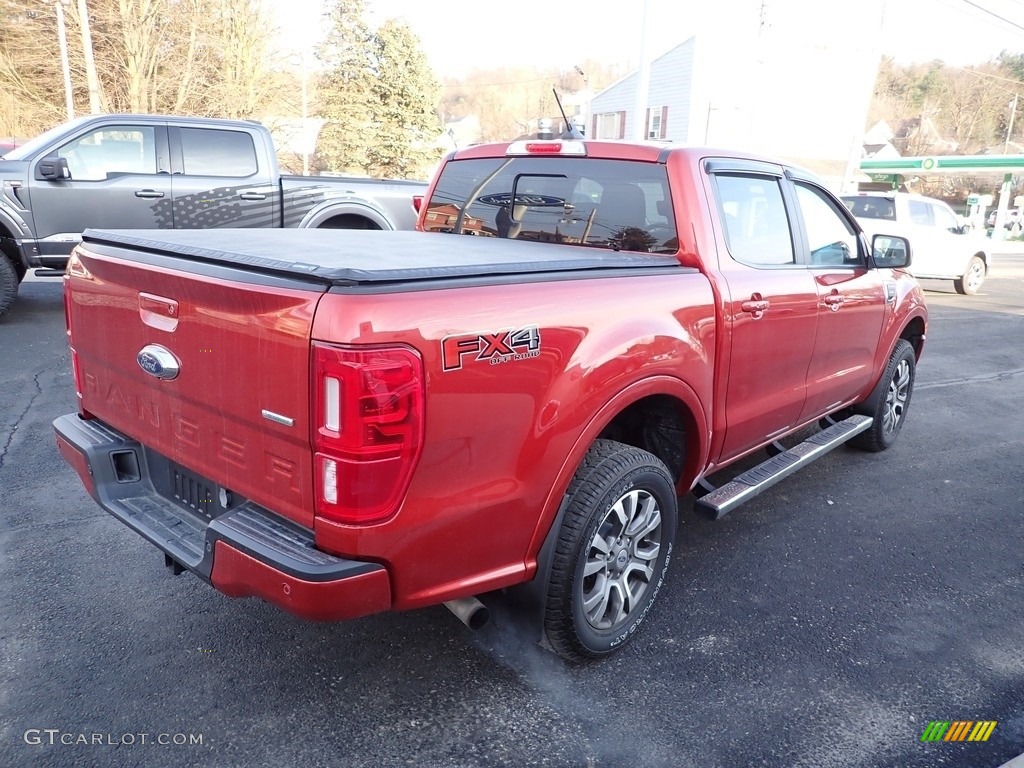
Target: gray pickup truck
x,y
161,172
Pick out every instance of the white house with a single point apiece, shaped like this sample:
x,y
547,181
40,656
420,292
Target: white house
x,y
773,78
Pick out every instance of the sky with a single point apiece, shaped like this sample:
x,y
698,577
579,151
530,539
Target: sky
x,y
461,35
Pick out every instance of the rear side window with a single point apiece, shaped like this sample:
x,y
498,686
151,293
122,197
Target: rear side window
x,y
755,220
616,204
207,152
871,207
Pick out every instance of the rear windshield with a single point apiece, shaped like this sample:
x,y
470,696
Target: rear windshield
x,y
871,207
617,204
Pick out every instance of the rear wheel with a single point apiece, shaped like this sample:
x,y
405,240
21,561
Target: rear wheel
x,y
891,402
612,552
970,283
9,280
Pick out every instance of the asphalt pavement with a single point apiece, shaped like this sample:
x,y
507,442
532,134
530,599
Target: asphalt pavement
x,y
826,623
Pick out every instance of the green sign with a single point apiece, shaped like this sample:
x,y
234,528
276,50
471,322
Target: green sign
x,y
974,199
889,177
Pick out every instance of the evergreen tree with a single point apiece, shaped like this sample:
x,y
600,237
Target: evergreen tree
x,y
344,90
405,94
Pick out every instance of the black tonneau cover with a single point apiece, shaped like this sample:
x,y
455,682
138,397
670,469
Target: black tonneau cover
x,y
352,257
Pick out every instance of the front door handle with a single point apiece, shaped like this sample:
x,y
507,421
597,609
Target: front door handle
x,y
253,196
833,301
755,305
148,193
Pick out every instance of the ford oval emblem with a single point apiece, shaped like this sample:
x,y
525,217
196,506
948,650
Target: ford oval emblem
x,y
158,361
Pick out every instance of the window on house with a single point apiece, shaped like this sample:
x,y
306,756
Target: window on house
x,y
654,123
610,125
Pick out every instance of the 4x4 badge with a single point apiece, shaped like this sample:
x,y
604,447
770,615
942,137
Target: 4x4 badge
x,y
158,361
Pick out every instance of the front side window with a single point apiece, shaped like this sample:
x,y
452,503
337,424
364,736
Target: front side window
x,y
831,239
944,218
212,152
616,204
755,220
920,212
111,151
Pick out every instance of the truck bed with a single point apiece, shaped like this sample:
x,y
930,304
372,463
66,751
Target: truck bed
x,y
354,257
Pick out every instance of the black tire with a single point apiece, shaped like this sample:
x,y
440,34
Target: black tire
x,y
8,284
612,552
970,282
890,401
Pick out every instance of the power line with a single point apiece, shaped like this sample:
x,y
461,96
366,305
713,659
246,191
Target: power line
x,y
488,85
983,9
974,72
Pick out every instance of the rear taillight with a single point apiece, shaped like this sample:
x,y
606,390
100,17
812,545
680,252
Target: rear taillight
x,y
75,368
417,202
367,429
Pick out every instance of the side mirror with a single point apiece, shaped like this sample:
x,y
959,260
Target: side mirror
x,y
53,168
890,252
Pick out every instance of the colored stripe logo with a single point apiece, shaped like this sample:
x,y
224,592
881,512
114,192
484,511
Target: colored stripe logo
x,y
958,730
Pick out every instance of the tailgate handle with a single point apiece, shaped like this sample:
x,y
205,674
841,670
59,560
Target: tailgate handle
x,y
158,312
148,193
253,196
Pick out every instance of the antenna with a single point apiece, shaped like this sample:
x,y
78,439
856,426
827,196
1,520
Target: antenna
x,y
571,132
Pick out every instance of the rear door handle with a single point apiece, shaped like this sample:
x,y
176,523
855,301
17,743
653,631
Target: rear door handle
x,y
253,196
755,305
148,193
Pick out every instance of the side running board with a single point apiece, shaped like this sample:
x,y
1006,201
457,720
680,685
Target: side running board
x,y
752,482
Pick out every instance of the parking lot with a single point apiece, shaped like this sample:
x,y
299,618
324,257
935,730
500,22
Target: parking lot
x,y
826,623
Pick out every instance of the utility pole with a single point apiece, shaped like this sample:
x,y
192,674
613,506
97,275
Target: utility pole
x,y
90,64
643,80
65,66
305,115
1009,130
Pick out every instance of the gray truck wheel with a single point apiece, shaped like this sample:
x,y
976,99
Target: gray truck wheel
x,y
612,552
890,400
973,277
9,280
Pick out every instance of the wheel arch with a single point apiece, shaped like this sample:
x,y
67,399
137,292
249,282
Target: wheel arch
x,y
629,417
914,332
622,415
323,214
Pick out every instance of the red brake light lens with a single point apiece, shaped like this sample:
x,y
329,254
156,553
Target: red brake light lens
x,y
368,429
544,148
417,202
565,147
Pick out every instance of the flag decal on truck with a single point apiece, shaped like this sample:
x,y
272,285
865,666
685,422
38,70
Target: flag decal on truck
x,y
503,346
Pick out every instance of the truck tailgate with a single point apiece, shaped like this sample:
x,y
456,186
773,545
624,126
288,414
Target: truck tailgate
x,y
236,410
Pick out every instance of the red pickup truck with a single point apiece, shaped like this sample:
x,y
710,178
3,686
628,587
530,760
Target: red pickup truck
x,y
344,423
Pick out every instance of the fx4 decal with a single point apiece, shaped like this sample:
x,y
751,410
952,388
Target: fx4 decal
x,y
501,347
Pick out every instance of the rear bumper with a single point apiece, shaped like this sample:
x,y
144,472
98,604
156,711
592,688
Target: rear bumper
x,y
241,548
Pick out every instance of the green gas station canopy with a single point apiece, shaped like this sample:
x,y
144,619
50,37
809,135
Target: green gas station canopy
x,y
945,164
